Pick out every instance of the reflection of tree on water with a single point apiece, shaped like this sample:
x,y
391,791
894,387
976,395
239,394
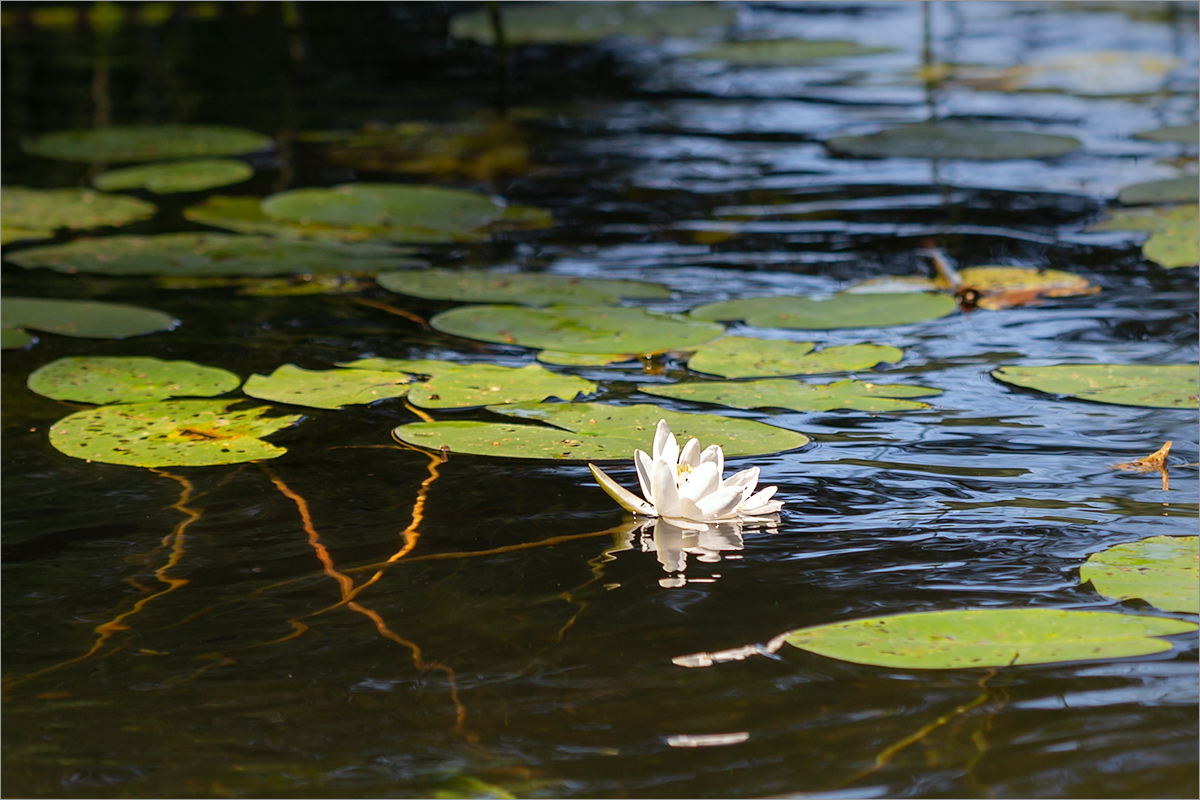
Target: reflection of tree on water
x,y
707,542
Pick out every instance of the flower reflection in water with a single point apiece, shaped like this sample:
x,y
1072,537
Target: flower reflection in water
x,y
709,543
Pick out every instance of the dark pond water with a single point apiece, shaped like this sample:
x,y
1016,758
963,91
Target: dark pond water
x,y
522,646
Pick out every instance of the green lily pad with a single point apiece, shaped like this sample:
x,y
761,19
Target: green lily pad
x,y
15,339
593,432
784,51
174,433
245,215
207,254
798,396
843,310
128,379
582,359
1174,232
988,637
476,286
584,23
952,140
1151,385
466,385
1188,134
177,176
10,234
1184,189
145,143
292,286
577,329
746,357
1161,570
77,209
84,319
327,388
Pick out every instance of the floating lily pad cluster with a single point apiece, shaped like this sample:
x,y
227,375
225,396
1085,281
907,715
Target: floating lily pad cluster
x,y
1174,240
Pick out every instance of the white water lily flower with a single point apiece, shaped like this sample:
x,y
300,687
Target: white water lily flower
x,y
686,485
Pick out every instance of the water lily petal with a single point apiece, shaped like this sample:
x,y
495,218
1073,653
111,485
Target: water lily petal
x,y
701,481
690,455
625,498
689,510
666,494
747,477
645,469
721,504
665,445
761,503
715,454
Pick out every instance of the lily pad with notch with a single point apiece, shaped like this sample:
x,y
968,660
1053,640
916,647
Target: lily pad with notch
x,y
128,379
449,385
1174,239
120,144
84,319
172,433
577,329
76,209
797,395
532,289
954,140
593,432
177,176
842,310
1162,570
989,637
208,254
748,357
1148,385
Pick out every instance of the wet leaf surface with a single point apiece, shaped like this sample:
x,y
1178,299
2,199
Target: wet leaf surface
x,y
128,379
176,176
327,388
174,433
532,289
953,140
798,396
593,432
450,385
1161,570
993,637
207,254
145,143
76,209
747,357
844,310
85,319
576,329
1152,385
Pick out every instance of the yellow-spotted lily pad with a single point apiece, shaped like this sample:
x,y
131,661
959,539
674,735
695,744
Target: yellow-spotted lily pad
x,y
989,637
592,432
843,310
208,254
84,319
145,143
476,286
173,433
953,140
176,176
1161,570
798,396
128,379
1151,385
1174,239
76,209
577,329
747,357
327,388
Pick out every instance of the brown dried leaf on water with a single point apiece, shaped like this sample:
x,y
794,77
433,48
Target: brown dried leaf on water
x,y
1155,462
988,287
